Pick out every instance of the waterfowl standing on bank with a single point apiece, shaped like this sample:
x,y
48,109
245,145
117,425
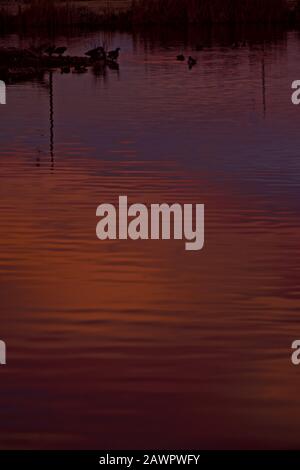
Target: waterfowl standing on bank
x,y
50,50
92,52
114,55
60,51
65,69
98,53
80,69
191,62
181,58
38,50
112,64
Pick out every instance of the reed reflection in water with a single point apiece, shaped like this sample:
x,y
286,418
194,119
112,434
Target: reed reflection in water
x,y
142,344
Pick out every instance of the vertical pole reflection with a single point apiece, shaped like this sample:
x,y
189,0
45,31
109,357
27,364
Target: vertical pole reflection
x,y
51,119
264,82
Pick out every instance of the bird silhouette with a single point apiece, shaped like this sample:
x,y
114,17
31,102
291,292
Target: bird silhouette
x,y
60,50
65,69
80,69
114,54
50,50
191,62
97,53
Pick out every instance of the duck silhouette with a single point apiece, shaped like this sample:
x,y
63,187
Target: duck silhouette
x,y
180,57
191,62
114,55
60,50
50,50
80,69
97,53
65,69
112,64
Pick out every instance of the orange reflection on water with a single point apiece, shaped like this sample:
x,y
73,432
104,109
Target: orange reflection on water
x,y
142,344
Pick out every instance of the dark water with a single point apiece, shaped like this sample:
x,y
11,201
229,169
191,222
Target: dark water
x,y
142,344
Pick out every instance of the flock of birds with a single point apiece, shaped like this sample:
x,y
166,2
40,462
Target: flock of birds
x,y
98,54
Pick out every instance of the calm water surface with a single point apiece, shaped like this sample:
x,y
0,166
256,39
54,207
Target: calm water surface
x,y
142,344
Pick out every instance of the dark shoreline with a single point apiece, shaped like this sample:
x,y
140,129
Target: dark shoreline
x,y
150,13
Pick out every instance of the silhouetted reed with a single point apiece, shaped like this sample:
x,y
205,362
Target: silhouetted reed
x,y
209,11
54,15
